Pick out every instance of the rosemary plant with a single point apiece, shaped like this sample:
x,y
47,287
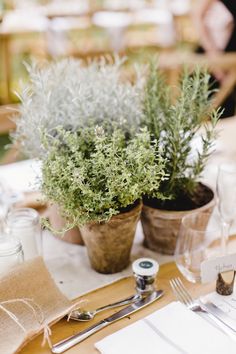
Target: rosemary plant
x,y
93,175
177,126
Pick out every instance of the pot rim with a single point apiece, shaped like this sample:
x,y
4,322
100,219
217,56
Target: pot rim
x,y
177,214
136,209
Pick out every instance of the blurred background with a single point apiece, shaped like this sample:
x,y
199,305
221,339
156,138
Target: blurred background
x,y
175,30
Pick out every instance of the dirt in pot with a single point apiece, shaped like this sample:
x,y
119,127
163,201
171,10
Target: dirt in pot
x,y
202,196
129,207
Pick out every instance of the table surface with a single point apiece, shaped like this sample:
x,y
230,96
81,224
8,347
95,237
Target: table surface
x,y
110,293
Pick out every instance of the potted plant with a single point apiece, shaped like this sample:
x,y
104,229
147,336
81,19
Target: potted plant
x,y
178,125
70,94
98,178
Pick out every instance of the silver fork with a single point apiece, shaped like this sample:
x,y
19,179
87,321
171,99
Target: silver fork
x,y
184,296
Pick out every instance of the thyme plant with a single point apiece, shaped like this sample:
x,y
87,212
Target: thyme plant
x,y
176,125
68,93
93,175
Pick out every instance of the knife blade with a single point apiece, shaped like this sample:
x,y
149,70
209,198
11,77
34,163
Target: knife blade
x,y
69,342
220,315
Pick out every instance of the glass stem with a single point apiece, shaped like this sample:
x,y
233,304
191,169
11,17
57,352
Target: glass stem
x,y
224,236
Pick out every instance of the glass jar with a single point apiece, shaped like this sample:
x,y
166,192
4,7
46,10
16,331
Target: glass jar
x,y
23,224
11,253
145,271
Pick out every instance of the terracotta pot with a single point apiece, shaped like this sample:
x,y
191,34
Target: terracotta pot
x,y
57,223
161,227
109,243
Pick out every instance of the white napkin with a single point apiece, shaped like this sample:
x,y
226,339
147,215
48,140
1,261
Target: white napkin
x,y
171,330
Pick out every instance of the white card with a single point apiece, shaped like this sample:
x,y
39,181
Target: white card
x,y
212,267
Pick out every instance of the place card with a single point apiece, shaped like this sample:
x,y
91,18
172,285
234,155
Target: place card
x,y
212,267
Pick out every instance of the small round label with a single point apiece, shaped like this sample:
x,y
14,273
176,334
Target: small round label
x,y
146,264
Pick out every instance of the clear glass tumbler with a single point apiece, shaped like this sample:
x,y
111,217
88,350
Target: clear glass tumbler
x,y
23,223
11,253
198,240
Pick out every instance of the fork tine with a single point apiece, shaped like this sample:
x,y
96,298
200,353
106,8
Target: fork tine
x,y
178,288
178,294
184,291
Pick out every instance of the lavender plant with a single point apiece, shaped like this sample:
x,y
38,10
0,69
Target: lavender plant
x,y
69,94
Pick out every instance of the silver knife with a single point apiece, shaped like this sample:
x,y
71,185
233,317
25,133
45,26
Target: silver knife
x,y
220,315
67,343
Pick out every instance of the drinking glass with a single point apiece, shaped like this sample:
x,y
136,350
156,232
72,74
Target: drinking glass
x,y
24,224
11,253
226,192
198,240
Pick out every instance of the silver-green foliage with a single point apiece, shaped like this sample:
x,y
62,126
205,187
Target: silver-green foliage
x,y
176,126
67,93
92,175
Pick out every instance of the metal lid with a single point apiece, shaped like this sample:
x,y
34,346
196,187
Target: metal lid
x,y
145,267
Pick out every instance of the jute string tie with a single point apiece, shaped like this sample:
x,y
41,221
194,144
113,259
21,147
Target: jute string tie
x,y
37,312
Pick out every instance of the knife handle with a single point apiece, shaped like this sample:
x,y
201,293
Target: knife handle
x,y
67,343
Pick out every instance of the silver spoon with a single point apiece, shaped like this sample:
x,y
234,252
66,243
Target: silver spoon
x,y
89,315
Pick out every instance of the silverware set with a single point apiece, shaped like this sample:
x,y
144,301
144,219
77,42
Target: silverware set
x,y
140,300
68,343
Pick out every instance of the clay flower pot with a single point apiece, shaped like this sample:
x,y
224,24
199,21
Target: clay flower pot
x,y
109,243
161,227
58,223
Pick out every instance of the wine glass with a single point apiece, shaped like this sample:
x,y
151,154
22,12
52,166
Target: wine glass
x,y
198,240
226,192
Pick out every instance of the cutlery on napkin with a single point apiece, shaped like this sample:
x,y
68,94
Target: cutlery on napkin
x,y
173,329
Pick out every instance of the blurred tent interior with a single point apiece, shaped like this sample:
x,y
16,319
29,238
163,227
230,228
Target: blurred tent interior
x,y
138,29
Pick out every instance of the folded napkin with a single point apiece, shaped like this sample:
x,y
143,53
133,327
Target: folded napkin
x,y
29,301
172,330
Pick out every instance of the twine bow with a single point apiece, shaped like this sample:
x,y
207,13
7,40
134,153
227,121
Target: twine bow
x,y
38,315
37,312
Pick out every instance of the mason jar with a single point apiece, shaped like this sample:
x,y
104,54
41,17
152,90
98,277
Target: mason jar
x,y
11,253
23,224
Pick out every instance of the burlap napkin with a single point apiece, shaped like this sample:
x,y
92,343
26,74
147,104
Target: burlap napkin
x,y
29,300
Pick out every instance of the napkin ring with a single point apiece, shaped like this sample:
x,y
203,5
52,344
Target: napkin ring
x,y
225,282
